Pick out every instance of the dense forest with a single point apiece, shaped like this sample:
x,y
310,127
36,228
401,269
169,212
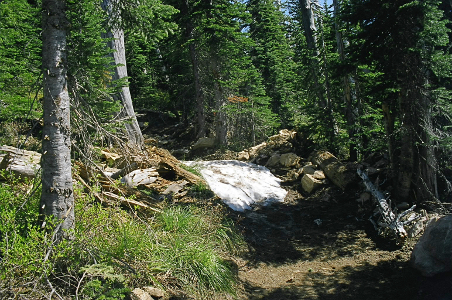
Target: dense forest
x,y
354,77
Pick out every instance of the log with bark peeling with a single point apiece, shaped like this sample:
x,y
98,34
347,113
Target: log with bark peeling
x,y
334,169
390,219
22,163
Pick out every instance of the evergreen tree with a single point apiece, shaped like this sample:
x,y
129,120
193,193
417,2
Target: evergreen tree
x,y
404,39
20,58
272,54
312,54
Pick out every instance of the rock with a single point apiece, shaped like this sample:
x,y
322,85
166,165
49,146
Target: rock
x,y
243,156
433,252
289,159
139,294
151,141
319,175
204,142
292,175
110,157
309,183
308,169
416,229
154,292
140,177
403,205
180,152
273,160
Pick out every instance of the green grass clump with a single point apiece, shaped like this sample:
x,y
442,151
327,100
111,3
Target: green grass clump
x,y
193,170
113,251
193,247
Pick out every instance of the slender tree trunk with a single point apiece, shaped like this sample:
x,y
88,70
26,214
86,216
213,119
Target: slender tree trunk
x,y
308,21
135,136
417,163
201,116
221,127
346,88
57,198
388,116
426,179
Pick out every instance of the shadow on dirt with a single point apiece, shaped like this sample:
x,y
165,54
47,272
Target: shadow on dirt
x,y
329,251
386,281
318,227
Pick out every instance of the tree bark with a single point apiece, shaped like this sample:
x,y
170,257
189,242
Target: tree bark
x,y
135,136
308,21
198,91
57,198
221,128
417,163
346,87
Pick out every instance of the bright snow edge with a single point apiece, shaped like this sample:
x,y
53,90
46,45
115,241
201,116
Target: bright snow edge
x,y
240,184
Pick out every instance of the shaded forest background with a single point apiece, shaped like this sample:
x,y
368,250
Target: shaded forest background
x,y
354,77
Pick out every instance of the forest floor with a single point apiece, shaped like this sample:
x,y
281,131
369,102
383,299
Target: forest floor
x,y
292,256
322,246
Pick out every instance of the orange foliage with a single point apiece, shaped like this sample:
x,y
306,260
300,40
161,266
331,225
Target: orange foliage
x,y
237,99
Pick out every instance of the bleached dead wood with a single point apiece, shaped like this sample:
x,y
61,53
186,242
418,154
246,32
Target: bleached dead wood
x,y
22,163
390,219
125,201
111,198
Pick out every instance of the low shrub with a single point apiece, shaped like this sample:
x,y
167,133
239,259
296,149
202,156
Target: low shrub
x,y
182,249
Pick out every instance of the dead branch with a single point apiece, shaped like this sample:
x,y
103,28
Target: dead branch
x,y
390,219
129,168
129,202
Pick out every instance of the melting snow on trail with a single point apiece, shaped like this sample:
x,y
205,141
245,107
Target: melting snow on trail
x,y
240,184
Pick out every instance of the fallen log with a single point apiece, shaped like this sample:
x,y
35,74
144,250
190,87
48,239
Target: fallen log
x,y
389,219
109,198
21,163
334,170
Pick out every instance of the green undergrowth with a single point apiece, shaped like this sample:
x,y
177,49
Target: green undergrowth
x,y
183,250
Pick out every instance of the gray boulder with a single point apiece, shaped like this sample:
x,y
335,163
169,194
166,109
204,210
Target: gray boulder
x,y
433,252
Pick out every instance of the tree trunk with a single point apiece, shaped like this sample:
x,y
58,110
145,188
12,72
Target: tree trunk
x,y
346,87
119,55
198,92
308,21
388,116
57,198
417,163
309,25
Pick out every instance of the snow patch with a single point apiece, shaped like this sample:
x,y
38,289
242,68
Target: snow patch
x,y
240,184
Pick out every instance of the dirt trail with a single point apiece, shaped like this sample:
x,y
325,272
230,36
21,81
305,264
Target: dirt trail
x,y
323,247
294,256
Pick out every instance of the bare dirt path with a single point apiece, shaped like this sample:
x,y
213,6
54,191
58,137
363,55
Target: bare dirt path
x,y
323,247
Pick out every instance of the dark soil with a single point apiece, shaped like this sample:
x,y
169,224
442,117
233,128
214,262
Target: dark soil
x,y
291,255
319,246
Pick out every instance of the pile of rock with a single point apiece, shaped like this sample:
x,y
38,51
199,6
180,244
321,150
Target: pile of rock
x,y
280,155
147,293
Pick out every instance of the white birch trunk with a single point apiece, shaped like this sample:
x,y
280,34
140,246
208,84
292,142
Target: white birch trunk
x,y
119,54
57,197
